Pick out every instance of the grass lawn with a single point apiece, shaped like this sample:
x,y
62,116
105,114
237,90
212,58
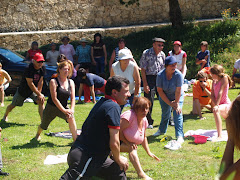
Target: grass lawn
x,y
24,160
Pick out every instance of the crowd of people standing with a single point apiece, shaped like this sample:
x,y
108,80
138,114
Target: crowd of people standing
x,y
94,155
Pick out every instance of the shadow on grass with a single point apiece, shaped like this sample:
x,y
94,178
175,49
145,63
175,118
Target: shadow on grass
x,y
35,144
152,139
5,125
187,117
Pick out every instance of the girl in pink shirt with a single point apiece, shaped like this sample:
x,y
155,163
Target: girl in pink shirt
x,y
132,133
219,96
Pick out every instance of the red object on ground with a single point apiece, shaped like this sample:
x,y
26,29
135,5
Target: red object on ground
x,y
87,92
199,139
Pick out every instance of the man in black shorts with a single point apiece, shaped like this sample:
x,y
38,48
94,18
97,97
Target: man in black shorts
x,y
30,86
100,134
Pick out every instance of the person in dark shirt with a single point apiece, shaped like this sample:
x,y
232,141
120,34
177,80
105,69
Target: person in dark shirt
x,y
99,53
89,83
61,88
30,86
100,134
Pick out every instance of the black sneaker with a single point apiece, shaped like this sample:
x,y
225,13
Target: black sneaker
x,y
3,173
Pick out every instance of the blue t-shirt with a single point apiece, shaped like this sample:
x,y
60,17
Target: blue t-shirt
x,y
169,86
94,138
201,55
84,54
93,79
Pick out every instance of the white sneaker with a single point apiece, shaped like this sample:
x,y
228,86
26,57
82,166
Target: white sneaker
x,y
150,127
158,133
180,140
175,146
170,144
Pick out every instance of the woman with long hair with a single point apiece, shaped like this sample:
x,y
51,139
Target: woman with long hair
x,y
219,96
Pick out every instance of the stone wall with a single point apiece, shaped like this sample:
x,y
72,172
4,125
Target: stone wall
x,y
21,41
39,15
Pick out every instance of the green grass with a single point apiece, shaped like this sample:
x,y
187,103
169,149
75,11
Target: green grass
x,y
24,160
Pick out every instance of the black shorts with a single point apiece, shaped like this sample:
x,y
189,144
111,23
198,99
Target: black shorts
x,y
83,166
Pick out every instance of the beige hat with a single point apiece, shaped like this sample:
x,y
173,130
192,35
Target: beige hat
x,y
84,40
124,54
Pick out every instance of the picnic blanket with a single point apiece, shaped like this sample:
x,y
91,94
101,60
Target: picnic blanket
x,y
211,134
63,134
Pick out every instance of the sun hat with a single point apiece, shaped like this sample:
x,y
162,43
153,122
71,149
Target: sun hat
x,y
38,57
156,39
177,43
84,40
170,60
124,54
65,37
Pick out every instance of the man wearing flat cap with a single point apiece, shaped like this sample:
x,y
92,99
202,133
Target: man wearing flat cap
x,y
152,62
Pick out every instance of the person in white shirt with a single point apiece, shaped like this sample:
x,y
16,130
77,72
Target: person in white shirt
x,y
181,57
234,74
52,55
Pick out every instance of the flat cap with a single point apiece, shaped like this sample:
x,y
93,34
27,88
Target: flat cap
x,y
158,40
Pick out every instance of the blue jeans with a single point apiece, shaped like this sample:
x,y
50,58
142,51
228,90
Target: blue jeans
x,y
166,114
100,65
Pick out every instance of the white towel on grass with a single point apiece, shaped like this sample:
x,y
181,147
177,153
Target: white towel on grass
x,y
211,134
52,159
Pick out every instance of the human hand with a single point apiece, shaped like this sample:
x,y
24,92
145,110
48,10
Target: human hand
x,y
94,62
173,104
41,98
132,145
146,89
154,156
216,108
69,113
123,163
178,109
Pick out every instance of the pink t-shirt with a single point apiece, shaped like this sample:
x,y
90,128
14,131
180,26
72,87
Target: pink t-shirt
x,y
224,99
132,133
68,51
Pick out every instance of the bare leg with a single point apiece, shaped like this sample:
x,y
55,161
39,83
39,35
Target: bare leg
x,y
133,156
218,122
8,110
40,109
198,108
2,97
194,110
73,127
39,131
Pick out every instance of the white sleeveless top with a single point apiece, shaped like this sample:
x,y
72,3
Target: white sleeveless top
x,y
128,73
182,54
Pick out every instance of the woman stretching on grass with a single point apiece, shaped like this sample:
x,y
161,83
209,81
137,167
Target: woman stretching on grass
x,y
233,129
133,132
61,88
219,96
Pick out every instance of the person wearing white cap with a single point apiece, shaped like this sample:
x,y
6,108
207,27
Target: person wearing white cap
x,y
126,68
83,55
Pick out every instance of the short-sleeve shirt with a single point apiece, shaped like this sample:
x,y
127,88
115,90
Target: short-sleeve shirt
x,y
95,136
33,52
200,94
30,72
201,55
68,51
98,49
169,86
151,62
132,133
84,54
182,54
237,64
93,79
52,57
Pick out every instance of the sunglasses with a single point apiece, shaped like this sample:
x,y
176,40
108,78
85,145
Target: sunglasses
x,y
40,62
203,81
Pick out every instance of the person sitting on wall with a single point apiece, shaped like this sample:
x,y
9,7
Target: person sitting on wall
x,y
202,94
89,83
236,76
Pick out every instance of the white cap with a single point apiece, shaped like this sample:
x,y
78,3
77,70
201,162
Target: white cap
x,y
124,54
